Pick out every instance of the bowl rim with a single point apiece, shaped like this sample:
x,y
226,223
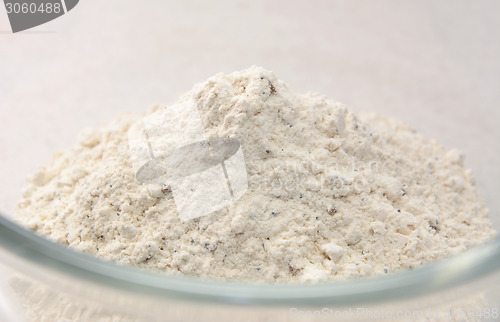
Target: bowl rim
x,y
461,269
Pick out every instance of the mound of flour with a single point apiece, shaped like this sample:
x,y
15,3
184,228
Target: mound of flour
x,y
330,194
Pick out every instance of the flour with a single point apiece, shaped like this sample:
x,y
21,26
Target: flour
x,y
330,194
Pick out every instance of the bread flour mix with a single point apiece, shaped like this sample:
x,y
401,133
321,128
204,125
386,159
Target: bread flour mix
x,y
331,194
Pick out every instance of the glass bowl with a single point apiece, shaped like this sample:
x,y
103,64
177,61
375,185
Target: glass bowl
x,y
43,281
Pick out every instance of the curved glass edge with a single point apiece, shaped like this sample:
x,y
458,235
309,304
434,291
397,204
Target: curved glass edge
x,y
471,265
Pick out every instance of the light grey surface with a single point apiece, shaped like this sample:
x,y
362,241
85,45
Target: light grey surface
x,y
436,65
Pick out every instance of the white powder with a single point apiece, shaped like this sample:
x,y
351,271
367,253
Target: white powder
x,y
330,194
